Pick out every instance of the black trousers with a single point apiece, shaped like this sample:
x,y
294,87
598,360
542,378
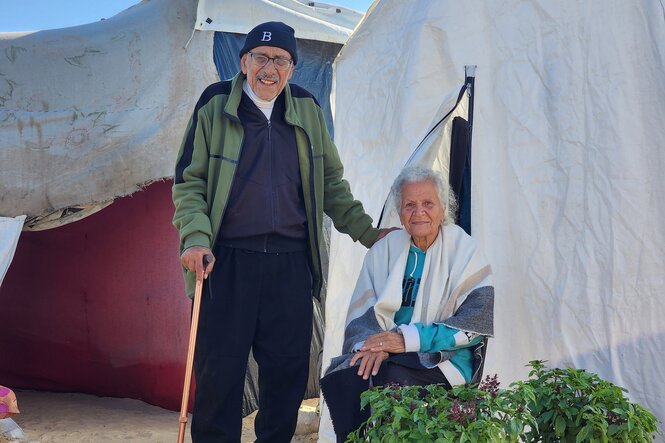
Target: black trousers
x,y
342,388
263,302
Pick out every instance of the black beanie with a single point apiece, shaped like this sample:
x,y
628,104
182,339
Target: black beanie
x,y
275,34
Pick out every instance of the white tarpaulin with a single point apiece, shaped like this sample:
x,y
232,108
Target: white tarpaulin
x,y
94,112
10,229
315,20
568,154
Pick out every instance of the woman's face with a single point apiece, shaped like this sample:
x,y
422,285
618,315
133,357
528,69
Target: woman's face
x,y
421,212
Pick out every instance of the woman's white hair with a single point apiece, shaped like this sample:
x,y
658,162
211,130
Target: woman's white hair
x,y
414,174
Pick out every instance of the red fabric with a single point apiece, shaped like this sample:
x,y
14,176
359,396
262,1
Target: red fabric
x,y
98,306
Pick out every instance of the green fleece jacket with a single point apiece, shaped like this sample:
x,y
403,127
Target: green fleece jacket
x,y
209,155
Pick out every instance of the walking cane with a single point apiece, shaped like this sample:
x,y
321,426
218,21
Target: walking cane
x,y
190,353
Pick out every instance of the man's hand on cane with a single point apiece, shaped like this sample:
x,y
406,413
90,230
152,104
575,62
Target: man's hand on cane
x,y
198,259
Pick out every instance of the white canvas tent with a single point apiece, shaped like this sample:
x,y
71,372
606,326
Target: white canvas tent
x,y
568,153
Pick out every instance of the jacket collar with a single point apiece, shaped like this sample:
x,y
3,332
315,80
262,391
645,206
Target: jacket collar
x,y
290,114
231,107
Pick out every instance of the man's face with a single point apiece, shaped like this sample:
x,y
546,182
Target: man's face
x,y
267,82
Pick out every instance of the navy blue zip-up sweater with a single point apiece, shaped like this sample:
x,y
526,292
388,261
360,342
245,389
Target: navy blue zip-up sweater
x,y
266,209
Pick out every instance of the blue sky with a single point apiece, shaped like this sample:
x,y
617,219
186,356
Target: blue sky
x,y
35,15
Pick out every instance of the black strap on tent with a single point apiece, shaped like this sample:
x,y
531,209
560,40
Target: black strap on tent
x,y
420,145
458,161
464,193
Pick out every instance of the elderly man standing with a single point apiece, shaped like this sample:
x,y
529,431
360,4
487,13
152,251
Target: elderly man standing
x,y
255,172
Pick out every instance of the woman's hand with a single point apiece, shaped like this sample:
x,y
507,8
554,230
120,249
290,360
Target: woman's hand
x,y
385,341
370,362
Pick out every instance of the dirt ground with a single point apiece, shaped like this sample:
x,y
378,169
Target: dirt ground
x,y
77,418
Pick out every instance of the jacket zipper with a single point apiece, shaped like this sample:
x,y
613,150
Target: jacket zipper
x,y
314,212
270,187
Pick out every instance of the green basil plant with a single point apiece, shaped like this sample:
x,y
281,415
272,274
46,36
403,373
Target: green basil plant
x,y
552,405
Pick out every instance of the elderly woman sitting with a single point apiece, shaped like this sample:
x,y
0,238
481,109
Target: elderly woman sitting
x,y
424,299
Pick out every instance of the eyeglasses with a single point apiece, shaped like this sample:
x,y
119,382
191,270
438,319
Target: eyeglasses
x,y
260,60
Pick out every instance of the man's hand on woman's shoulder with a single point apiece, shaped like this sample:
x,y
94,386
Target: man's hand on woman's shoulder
x,y
385,231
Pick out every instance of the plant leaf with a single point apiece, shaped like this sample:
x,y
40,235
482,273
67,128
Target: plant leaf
x,y
582,434
560,426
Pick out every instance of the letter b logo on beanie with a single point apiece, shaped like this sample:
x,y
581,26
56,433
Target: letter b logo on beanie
x,y
267,36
